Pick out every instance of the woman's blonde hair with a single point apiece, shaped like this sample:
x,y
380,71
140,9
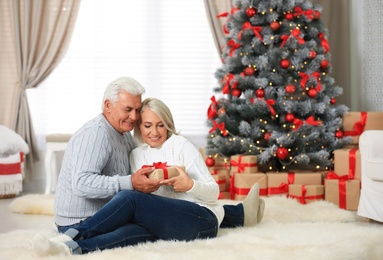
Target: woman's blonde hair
x,y
163,112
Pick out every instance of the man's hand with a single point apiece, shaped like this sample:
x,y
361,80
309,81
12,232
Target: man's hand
x,y
141,182
180,183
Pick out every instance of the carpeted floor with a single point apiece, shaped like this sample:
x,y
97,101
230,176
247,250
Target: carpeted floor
x,y
289,230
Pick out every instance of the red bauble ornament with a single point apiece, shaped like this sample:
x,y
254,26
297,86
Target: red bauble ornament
x,y
316,14
250,12
312,92
267,136
285,63
236,92
210,162
289,117
312,54
290,89
289,16
324,64
274,25
332,101
249,71
339,134
260,93
282,153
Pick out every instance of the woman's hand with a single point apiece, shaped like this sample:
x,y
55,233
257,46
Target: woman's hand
x,y
180,183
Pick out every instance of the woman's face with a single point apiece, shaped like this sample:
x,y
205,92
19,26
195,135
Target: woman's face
x,y
153,131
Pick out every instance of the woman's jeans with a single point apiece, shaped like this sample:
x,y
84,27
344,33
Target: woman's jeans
x,y
133,217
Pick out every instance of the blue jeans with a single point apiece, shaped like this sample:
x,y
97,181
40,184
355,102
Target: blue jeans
x,y
132,217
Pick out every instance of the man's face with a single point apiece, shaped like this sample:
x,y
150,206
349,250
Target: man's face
x,y
125,113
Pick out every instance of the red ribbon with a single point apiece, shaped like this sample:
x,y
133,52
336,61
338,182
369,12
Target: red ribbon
x,y
225,14
295,33
352,163
310,121
308,13
302,199
159,165
324,42
212,110
226,87
256,30
305,77
358,126
220,126
241,166
342,187
234,46
270,103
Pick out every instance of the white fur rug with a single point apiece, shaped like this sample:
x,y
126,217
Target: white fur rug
x,y
289,230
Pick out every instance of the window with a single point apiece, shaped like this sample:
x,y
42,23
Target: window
x,y
166,45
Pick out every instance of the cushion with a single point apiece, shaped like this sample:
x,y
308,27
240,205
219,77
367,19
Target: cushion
x,y
11,142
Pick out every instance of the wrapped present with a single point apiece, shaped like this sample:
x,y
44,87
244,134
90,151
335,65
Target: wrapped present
x,y
224,195
244,163
242,183
219,162
355,123
220,179
306,193
11,179
278,183
163,171
222,172
342,191
347,161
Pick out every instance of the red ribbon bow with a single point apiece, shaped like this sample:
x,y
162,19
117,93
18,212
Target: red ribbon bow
x,y
324,42
159,165
310,121
295,33
305,77
220,126
270,103
212,110
308,13
226,88
256,30
231,43
358,126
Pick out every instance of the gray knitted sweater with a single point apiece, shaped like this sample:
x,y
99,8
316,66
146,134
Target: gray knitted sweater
x,y
95,167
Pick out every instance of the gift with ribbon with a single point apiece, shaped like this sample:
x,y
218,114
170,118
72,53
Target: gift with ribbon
x,y
244,163
278,183
163,171
222,177
355,123
347,161
241,183
306,193
342,191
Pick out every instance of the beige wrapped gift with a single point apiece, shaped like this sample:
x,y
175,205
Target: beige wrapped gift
x,y
306,193
347,161
163,171
355,123
342,192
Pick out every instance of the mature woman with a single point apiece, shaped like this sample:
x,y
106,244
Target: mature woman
x,y
183,208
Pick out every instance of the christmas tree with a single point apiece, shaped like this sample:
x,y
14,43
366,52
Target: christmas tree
x,y
275,98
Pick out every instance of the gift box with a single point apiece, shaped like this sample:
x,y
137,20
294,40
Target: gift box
x,y
242,183
306,193
163,171
342,192
347,161
244,163
224,195
222,172
355,123
220,179
278,183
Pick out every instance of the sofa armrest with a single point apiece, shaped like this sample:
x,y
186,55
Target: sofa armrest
x,y
374,169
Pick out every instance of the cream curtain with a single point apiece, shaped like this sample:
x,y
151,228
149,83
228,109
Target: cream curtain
x,y
36,36
336,18
214,8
